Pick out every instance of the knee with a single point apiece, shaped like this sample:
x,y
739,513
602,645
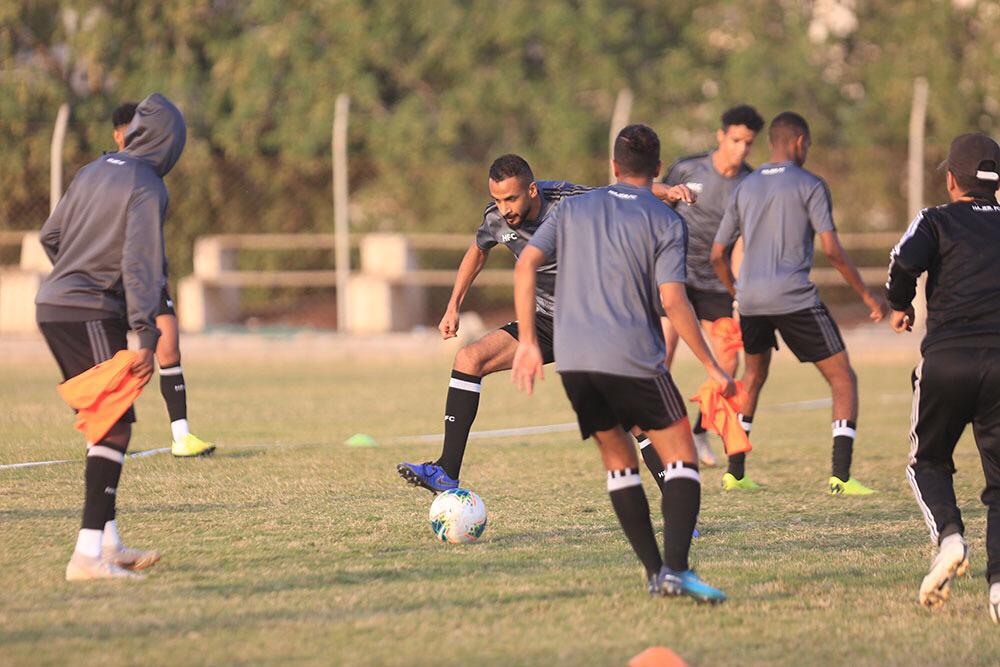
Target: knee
x,y
169,356
118,436
469,361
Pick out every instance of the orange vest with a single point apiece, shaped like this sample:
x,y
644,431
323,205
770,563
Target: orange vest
x,y
102,394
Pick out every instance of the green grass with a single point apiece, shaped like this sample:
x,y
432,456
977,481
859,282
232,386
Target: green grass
x,y
309,552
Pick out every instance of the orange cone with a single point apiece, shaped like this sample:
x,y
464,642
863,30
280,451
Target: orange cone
x,y
657,656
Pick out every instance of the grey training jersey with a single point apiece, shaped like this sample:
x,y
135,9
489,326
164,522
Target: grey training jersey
x,y
494,230
615,246
777,210
704,216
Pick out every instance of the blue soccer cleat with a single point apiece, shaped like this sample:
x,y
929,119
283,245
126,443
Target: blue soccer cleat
x,y
688,583
428,475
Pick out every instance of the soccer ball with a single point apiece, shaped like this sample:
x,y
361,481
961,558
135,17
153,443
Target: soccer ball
x,y
458,516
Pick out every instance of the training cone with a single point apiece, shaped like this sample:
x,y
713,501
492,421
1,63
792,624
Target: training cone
x,y
657,656
360,440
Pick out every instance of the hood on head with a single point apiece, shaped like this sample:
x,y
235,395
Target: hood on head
x,y
157,133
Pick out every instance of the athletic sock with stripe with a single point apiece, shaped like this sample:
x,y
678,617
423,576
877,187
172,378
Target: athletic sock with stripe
x,y
460,409
681,504
175,396
651,459
737,462
630,504
101,474
844,432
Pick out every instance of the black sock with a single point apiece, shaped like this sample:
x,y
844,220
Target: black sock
x,y
844,432
681,503
698,428
632,508
460,411
174,392
738,462
102,471
651,459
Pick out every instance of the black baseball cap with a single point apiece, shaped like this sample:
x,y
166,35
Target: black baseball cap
x,y
974,155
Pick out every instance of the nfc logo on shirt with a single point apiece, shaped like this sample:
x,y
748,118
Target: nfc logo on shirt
x,y
695,187
115,161
772,171
508,237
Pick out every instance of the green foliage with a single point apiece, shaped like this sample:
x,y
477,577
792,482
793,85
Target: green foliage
x,y
439,87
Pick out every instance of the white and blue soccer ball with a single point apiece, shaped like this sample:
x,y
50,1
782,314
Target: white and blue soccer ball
x,y
458,516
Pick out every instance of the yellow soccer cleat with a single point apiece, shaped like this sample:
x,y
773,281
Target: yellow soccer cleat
x,y
951,560
730,483
851,487
191,445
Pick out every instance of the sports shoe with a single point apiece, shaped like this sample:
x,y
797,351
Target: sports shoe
x,y
129,558
952,560
995,602
85,568
191,445
672,582
730,483
428,475
851,487
704,449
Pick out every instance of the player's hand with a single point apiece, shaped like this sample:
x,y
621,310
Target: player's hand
x,y
527,366
723,379
902,321
877,306
142,367
449,324
676,193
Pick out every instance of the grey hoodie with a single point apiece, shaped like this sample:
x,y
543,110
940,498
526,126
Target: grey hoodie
x,y
105,238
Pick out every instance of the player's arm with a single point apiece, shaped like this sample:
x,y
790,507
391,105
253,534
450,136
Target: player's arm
x,y
910,258
142,270
841,261
672,194
678,309
472,264
51,232
723,267
528,358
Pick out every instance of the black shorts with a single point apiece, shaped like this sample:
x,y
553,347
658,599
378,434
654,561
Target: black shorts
x,y
602,401
79,346
166,304
710,306
543,329
811,334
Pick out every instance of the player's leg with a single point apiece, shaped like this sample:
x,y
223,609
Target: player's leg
x,y
492,353
986,425
755,371
661,413
78,346
597,418
172,384
944,397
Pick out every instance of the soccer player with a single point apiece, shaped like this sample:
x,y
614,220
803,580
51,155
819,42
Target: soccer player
x,y
958,379
777,210
168,351
105,240
520,204
708,180
621,265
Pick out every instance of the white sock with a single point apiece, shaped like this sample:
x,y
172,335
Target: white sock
x,y
954,537
110,538
179,429
88,542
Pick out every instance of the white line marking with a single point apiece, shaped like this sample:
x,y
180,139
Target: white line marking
x,y
476,435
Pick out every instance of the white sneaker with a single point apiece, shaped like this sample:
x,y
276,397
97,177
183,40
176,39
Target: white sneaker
x,y
85,568
952,560
704,449
129,558
995,602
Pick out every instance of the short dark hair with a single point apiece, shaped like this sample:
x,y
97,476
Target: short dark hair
x,y
637,150
123,113
745,115
787,126
971,183
511,166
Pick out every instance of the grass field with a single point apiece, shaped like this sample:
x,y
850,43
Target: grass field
x,y
289,548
